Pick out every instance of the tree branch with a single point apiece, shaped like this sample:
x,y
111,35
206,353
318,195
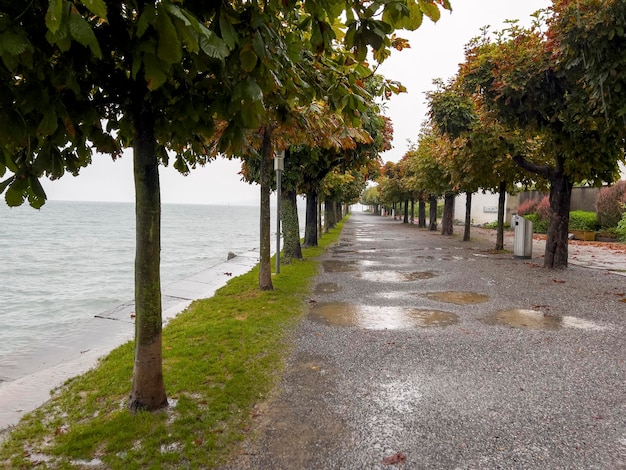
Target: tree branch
x,y
542,170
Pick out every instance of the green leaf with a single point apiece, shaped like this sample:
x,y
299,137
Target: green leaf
x,y
146,19
414,20
395,12
229,34
54,15
212,45
317,40
248,58
48,123
181,165
430,9
5,22
97,7
36,195
4,184
81,31
16,193
14,42
252,115
154,71
189,37
252,90
169,48
178,13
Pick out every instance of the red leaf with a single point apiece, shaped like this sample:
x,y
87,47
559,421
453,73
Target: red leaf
x,y
394,459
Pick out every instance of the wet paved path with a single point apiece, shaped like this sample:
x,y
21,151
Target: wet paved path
x,y
425,352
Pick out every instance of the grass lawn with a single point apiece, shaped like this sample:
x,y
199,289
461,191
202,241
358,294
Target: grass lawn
x,y
221,356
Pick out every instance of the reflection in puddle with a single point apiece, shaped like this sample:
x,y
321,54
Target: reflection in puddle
x,y
393,295
532,319
380,318
395,276
369,262
459,298
339,266
418,275
327,288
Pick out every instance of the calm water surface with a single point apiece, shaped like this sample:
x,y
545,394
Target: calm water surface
x,y
72,260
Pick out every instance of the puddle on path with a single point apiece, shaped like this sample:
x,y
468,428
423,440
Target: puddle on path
x,y
393,295
521,318
395,276
456,297
380,318
327,288
369,262
339,266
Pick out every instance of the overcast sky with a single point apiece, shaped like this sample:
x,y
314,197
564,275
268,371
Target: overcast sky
x,y
436,50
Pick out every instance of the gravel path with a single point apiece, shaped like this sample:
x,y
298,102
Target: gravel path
x,y
425,352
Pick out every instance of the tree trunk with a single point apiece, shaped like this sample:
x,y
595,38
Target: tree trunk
x,y
319,219
291,228
468,216
501,204
421,217
328,216
447,221
265,269
560,198
432,225
412,211
406,212
556,243
148,389
310,223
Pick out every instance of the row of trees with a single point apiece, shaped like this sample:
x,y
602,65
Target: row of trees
x,y
182,81
542,105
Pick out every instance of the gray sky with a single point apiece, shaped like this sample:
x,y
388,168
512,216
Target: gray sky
x,y
436,50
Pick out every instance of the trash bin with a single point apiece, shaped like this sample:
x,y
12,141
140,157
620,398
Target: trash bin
x,y
523,237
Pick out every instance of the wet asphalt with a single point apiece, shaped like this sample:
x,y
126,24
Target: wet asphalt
x,y
425,352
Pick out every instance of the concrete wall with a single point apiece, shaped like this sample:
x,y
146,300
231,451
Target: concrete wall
x,y
484,208
583,199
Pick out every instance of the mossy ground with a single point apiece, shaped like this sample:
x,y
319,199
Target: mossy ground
x,y
220,357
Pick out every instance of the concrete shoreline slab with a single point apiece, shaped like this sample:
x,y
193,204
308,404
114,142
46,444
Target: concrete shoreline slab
x,y
26,378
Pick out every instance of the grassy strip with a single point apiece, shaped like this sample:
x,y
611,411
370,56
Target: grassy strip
x,y
220,357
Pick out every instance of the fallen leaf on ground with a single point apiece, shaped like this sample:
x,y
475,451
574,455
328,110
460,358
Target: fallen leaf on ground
x,y
559,281
394,459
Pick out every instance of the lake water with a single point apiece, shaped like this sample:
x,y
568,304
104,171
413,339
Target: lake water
x,y
70,261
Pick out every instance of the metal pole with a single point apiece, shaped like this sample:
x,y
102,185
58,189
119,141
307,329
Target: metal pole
x,y
279,162
278,175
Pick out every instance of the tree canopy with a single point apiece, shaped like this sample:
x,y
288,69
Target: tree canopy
x,y
163,77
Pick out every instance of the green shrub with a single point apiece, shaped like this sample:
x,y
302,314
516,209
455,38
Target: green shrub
x,y
539,225
621,226
610,232
583,220
610,204
494,225
440,211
